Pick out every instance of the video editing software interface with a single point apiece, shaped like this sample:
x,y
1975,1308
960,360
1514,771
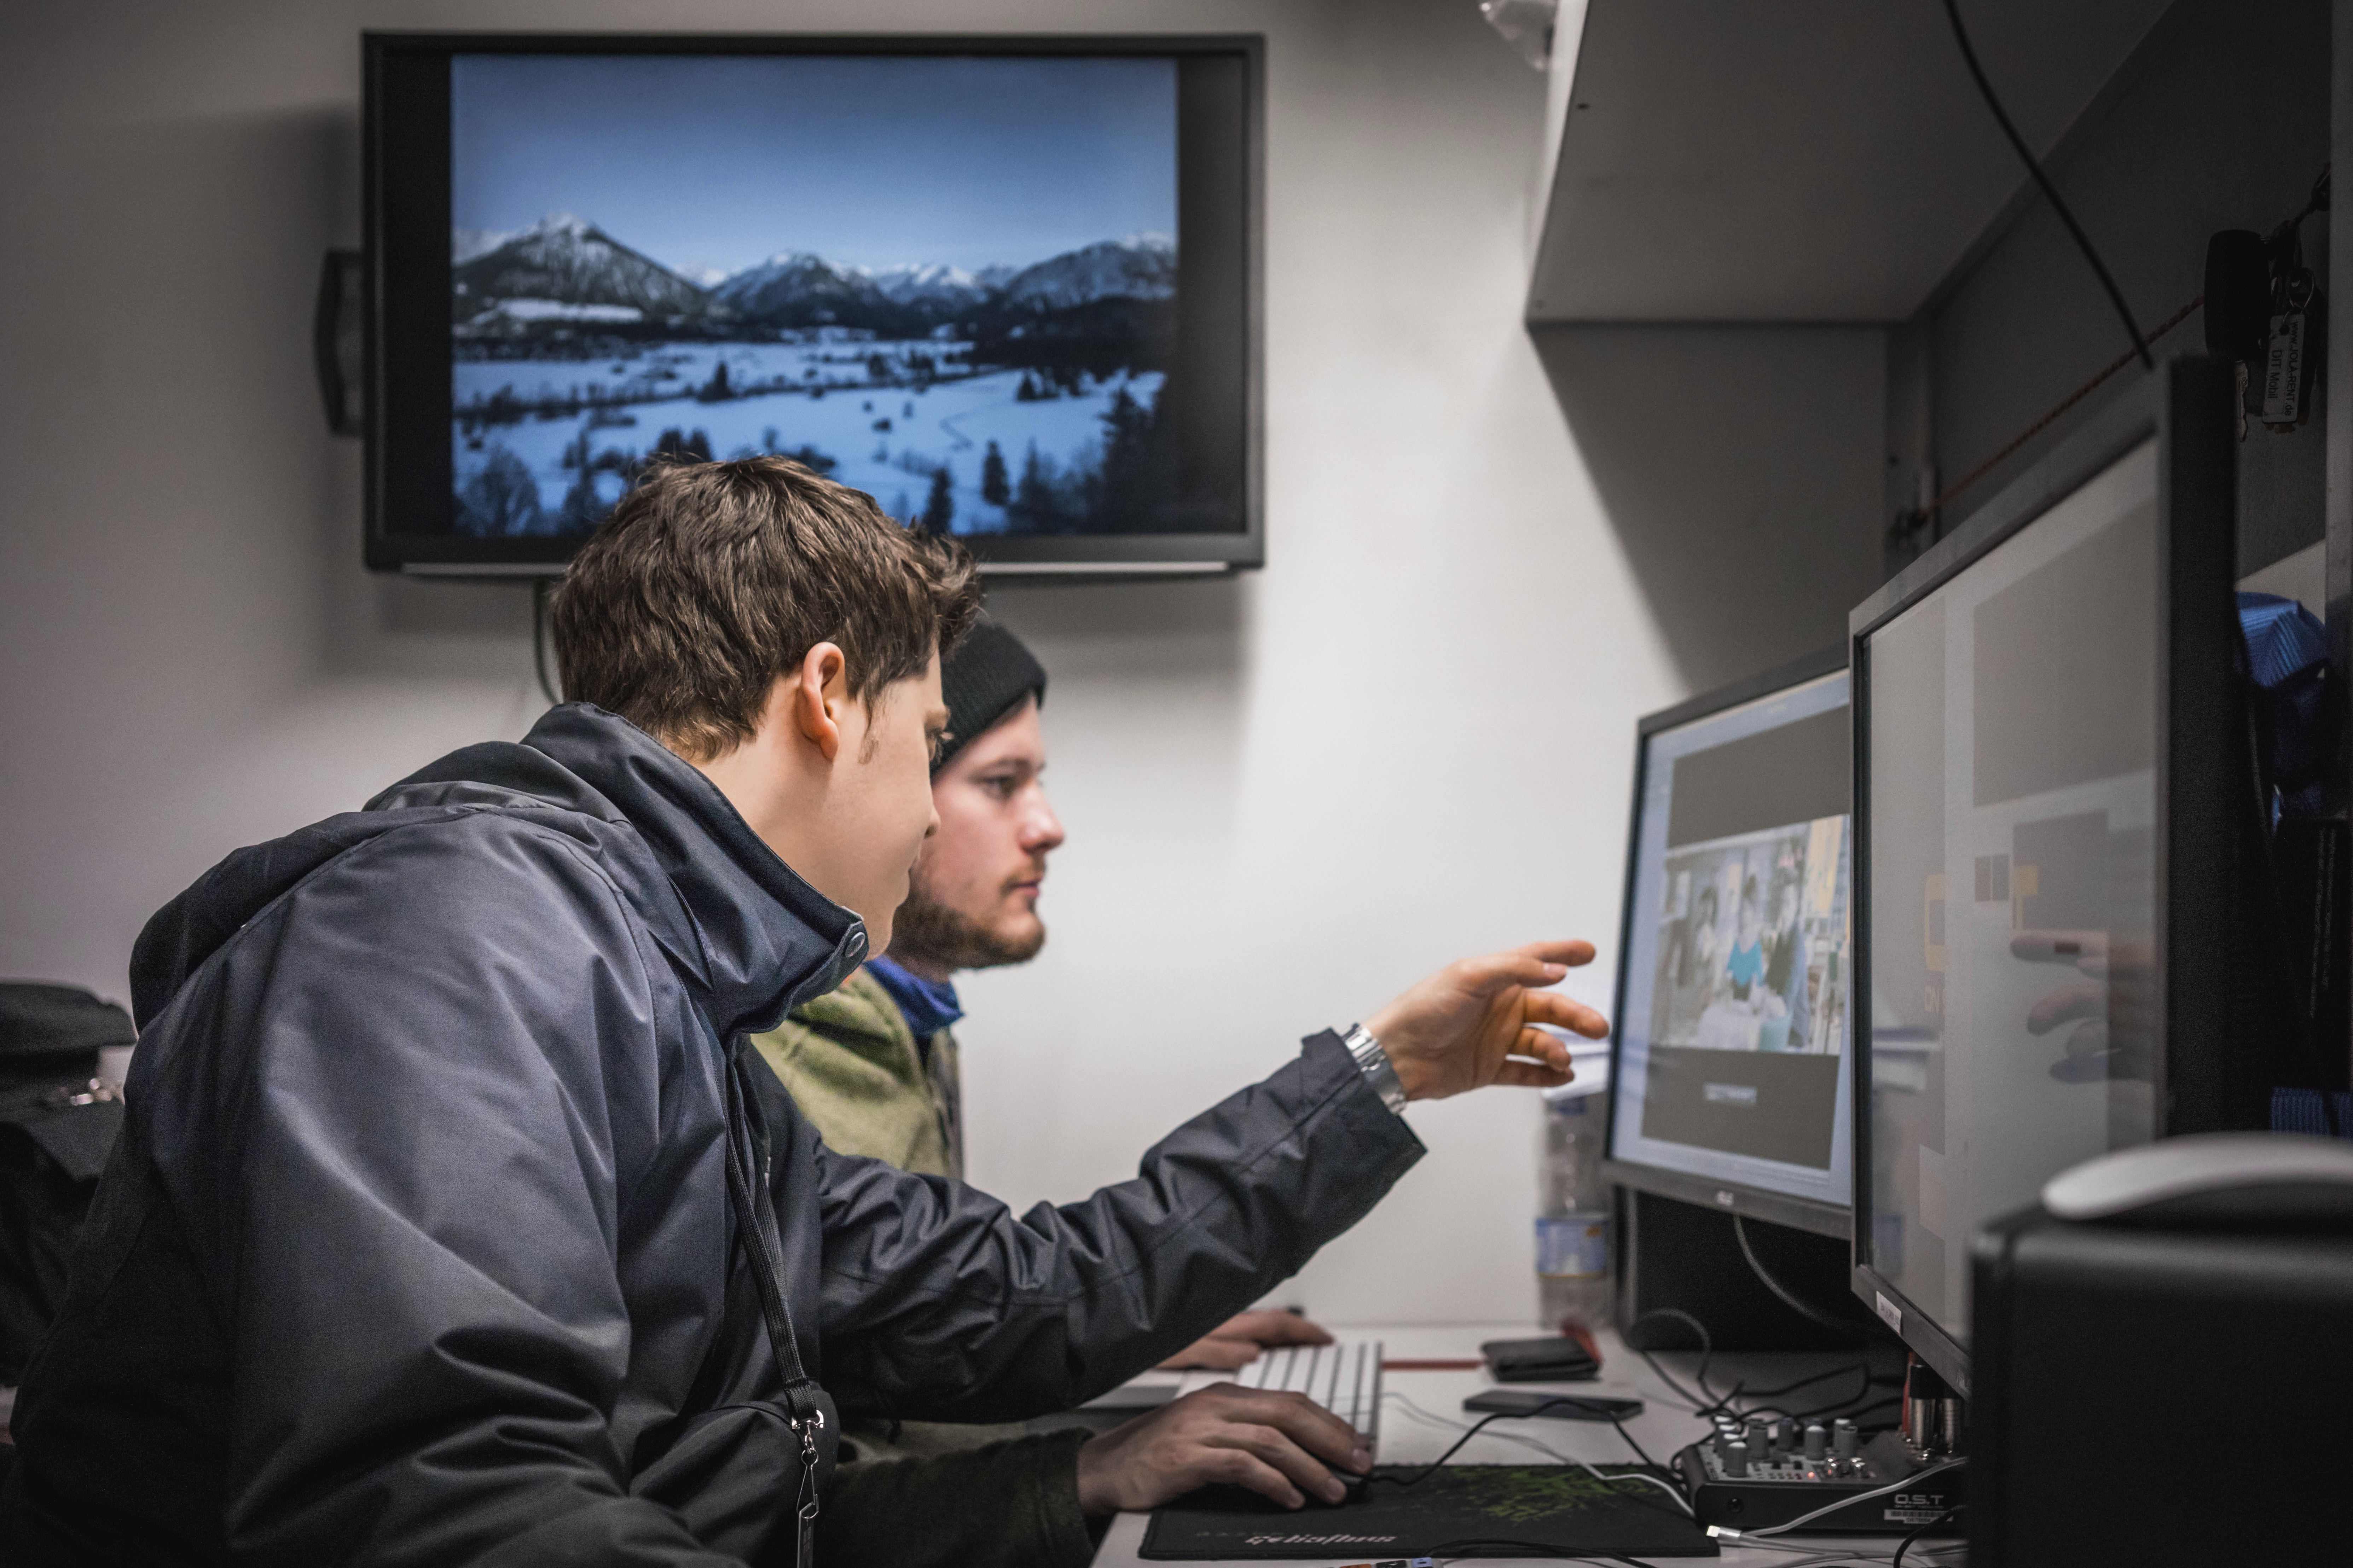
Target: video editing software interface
x,y
1732,1051
2012,812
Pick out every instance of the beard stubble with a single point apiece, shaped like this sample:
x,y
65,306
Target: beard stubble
x,y
934,934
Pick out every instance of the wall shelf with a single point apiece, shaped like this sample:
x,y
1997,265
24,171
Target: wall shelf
x,y
1807,161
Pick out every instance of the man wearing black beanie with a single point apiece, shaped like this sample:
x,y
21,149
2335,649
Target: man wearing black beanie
x,y
874,1064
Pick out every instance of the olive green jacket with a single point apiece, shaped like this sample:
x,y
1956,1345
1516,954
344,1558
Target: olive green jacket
x,y
920,1495
852,1064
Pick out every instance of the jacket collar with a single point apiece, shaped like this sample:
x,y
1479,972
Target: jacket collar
x,y
759,941
770,941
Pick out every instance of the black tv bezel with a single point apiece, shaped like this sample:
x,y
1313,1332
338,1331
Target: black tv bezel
x,y
1063,557
1742,1198
2187,407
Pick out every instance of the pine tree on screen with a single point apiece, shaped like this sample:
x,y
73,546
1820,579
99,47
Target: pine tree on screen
x,y
939,507
994,488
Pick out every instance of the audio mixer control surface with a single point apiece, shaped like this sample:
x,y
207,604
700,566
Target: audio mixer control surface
x,y
1756,1474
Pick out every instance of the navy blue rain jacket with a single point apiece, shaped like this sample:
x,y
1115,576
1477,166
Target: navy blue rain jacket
x,y
417,1247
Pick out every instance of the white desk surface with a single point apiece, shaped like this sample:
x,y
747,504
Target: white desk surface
x,y
1665,1426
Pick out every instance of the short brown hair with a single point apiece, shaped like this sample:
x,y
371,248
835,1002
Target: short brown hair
x,y
711,580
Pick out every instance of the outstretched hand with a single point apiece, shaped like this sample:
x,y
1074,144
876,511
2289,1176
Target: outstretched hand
x,y
1283,1446
1474,1022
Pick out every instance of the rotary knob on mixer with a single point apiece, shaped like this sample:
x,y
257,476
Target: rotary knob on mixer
x,y
1846,1441
1735,1459
1818,1442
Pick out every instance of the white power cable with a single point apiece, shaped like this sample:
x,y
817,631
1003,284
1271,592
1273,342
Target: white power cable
x,y
1817,1554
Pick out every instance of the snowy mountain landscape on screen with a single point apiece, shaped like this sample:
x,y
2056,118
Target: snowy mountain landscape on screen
x,y
1008,399
566,260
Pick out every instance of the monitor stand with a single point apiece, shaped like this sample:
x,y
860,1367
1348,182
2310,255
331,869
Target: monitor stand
x,y
1679,1254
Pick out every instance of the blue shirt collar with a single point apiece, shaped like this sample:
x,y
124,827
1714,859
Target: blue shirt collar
x,y
930,1005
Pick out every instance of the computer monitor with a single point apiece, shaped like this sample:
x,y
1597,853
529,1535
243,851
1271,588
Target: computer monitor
x,y
2055,824
1007,286
1727,1081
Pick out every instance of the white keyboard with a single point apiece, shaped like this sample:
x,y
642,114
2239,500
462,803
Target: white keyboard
x,y
1344,1378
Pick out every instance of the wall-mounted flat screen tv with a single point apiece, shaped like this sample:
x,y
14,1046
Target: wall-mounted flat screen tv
x,y
1009,287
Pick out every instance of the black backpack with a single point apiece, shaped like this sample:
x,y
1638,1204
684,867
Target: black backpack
x,y
59,1121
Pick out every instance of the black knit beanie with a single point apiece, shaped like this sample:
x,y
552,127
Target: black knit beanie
x,y
984,680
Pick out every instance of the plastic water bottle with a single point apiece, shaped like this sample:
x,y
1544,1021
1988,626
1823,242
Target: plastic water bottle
x,y
1573,1273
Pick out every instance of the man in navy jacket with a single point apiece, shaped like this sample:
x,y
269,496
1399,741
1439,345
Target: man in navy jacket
x,y
448,1224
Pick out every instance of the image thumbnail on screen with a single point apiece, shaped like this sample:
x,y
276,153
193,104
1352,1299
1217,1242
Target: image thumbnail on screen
x,y
1753,942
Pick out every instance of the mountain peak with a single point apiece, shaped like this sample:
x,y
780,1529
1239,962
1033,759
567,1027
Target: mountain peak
x,y
566,226
1141,267
799,288
933,281
568,259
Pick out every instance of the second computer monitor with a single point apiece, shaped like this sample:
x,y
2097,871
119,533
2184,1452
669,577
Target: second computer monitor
x,y
1729,1083
2056,828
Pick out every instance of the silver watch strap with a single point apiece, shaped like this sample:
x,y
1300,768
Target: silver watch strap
x,y
1379,1073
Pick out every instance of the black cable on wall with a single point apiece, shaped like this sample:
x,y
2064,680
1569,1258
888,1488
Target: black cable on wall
x,y
2050,191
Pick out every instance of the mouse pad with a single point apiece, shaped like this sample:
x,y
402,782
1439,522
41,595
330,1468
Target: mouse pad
x,y
1462,1510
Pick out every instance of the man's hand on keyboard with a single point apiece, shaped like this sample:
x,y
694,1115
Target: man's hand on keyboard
x,y
1474,1022
1236,1341
1282,1445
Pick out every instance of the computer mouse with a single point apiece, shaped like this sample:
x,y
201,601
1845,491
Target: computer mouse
x,y
2213,1178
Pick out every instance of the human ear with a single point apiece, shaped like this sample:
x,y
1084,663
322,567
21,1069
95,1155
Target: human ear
x,y
819,686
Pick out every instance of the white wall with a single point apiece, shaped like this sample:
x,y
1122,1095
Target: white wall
x,y
1406,738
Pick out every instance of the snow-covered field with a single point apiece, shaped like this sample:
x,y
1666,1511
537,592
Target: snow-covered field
x,y
884,440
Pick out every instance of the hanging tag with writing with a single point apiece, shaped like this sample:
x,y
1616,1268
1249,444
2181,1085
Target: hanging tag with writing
x,y
2284,369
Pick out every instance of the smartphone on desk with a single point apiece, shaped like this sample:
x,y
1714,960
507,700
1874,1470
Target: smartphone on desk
x,y
1559,1406
1556,1358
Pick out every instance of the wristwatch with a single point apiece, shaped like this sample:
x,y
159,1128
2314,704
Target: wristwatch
x,y
1374,1064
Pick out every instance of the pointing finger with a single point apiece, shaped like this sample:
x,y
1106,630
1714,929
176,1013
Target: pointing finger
x,y
1551,1007
1496,969
1535,1045
1517,1074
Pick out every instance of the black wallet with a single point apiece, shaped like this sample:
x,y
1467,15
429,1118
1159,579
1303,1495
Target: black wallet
x,y
1557,1359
